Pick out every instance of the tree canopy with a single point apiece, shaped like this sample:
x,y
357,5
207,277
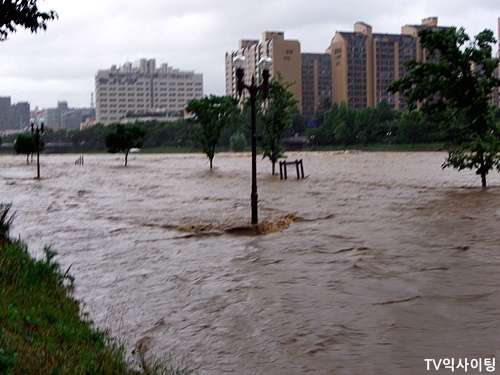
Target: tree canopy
x,y
22,13
125,138
276,119
213,114
25,144
455,85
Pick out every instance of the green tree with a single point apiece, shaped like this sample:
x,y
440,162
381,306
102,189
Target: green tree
x,y
89,139
22,13
455,85
276,119
213,114
125,138
25,144
238,142
343,126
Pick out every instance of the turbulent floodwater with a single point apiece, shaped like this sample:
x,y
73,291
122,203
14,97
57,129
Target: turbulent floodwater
x,y
390,260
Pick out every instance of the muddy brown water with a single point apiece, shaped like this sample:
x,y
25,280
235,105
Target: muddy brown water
x,y
390,259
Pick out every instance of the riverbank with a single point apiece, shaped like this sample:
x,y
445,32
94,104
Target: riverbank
x,y
44,331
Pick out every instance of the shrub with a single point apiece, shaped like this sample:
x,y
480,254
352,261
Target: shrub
x,y
5,221
237,142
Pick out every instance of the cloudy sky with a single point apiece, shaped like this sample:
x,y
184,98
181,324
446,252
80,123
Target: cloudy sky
x,y
60,63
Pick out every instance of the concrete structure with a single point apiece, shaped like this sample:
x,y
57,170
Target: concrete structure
x,y
13,116
365,63
132,90
316,82
63,117
284,53
53,115
412,30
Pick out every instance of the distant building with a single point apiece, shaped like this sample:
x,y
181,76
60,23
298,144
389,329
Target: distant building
x,y
64,117
286,60
316,82
412,30
365,63
53,115
357,67
136,90
13,116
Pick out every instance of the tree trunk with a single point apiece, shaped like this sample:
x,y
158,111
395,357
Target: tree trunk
x,y
126,157
274,166
211,159
483,172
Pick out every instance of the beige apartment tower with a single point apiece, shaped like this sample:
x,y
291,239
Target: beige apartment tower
x,y
365,63
284,53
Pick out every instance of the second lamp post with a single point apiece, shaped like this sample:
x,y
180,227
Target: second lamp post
x,y
36,129
253,89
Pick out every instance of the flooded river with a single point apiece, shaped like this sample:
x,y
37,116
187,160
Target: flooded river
x,y
390,259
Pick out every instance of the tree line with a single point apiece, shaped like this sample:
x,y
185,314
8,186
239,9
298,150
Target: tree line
x,y
341,125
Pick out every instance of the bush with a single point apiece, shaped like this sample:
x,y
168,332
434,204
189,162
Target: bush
x,y
237,142
5,221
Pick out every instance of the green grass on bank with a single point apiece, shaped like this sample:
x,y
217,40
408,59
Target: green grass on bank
x,y
42,329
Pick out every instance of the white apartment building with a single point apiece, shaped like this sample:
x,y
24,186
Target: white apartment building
x,y
142,90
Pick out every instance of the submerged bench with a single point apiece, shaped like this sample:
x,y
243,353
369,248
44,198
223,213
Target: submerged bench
x,y
299,166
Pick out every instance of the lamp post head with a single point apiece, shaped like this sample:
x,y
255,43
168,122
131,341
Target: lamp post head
x,y
239,63
41,121
265,64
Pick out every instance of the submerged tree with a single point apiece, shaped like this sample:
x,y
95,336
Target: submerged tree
x,y
125,138
276,119
25,144
455,85
213,114
22,13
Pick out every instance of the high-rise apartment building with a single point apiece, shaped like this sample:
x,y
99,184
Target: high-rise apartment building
x,y
284,53
365,63
140,89
412,30
316,82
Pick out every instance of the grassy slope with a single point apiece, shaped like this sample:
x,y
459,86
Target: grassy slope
x,y
42,330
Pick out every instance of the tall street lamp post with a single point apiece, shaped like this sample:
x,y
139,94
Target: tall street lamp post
x,y
36,129
253,89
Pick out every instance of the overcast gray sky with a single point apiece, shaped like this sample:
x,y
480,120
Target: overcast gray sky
x,y
60,63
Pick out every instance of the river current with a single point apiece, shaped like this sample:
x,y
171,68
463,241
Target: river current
x,y
389,261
